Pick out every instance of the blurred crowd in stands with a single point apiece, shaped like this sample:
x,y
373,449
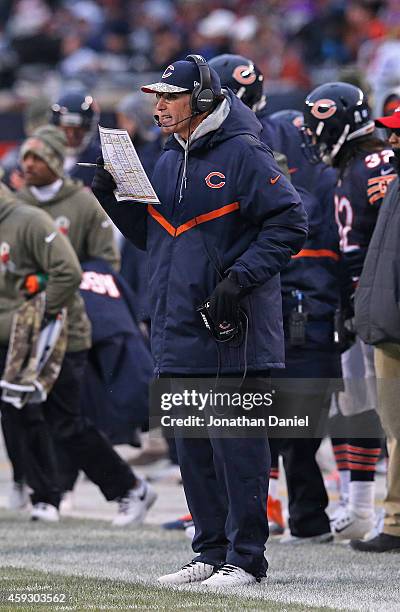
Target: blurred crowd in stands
x,y
296,43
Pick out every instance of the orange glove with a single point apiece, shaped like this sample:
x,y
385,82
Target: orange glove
x,y
35,283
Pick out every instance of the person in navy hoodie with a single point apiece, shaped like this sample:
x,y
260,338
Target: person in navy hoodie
x,y
227,223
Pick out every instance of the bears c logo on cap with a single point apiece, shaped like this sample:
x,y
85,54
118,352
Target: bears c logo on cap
x,y
324,108
245,75
168,71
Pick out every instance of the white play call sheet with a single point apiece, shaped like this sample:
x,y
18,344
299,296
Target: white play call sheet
x,y
123,163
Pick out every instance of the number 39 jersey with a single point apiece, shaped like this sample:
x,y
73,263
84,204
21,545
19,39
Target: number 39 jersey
x,y
358,196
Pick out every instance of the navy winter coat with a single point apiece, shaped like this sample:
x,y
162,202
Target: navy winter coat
x,y
314,271
237,213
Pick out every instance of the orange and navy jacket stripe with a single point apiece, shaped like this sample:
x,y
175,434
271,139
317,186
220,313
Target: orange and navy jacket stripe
x,y
177,231
317,253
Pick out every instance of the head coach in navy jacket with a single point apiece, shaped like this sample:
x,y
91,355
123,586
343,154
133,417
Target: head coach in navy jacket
x,y
227,223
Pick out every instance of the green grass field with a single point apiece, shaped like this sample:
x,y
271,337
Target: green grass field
x,y
98,567
82,593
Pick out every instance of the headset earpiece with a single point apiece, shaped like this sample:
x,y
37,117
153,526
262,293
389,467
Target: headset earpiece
x,y
203,96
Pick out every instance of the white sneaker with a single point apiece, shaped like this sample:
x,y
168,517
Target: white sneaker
x,y
19,496
134,505
341,509
230,576
190,531
45,512
378,524
195,571
351,526
67,502
322,538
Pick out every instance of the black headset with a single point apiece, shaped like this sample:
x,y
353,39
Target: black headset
x,y
203,96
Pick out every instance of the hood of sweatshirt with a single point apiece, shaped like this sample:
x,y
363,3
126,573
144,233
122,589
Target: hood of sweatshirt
x,y
68,188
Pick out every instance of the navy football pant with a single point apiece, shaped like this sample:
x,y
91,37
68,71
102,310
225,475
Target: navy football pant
x,y
307,496
226,487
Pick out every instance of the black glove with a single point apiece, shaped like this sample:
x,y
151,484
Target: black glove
x,y
102,182
224,301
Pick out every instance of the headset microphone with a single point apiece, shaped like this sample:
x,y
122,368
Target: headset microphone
x,y
157,120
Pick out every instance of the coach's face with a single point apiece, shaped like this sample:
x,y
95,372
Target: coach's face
x,y
172,108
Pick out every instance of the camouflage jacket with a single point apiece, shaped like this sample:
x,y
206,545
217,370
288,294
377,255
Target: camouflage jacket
x,y
80,218
30,245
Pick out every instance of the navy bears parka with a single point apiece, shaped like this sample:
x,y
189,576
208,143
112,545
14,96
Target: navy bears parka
x,y
230,209
315,269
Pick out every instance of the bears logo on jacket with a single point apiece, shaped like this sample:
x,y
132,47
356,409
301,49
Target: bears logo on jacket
x,y
213,185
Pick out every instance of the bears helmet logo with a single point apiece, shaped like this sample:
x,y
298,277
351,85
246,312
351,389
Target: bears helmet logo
x,y
245,75
324,108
